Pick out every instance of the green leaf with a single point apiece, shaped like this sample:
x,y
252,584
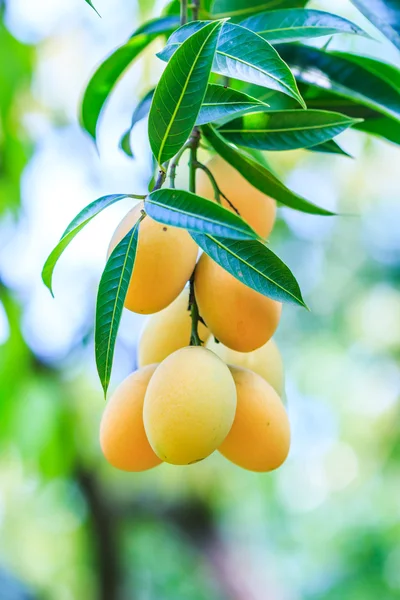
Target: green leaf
x,y
180,92
113,287
180,208
330,147
141,111
255,265
341,75
239,9
91,4
76,225
296,24
373,123
384,127
243,55
222,103
385,15
108,73
390,73
259,175
286,129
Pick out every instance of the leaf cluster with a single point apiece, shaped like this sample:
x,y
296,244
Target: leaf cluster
x,y
245,78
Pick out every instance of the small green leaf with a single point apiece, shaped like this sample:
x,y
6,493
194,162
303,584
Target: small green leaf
x,y
180,208
180,92
113,287
285,129
91,4
76,225
341,75
141,111
108,73
330,147
255,265
297,24
259,175
385,15
239,9
244,55
221,103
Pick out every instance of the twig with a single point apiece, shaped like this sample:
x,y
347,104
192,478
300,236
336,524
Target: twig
x,y
217,190
174,164
195,339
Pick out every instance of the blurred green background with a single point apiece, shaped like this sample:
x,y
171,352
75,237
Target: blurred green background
x,y
327,524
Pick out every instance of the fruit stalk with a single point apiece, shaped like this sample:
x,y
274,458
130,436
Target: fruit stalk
x,y
194,141
192,144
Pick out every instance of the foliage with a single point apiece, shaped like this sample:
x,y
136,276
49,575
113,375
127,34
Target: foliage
x,y
264,45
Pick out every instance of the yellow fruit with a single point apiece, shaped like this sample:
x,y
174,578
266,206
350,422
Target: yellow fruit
x,y
122,436
238,316
265,361
165,259
168,331
259,439
254,207
189,406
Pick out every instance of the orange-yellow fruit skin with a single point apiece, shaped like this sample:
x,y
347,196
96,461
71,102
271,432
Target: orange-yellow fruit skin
x,y
165,259
259,439
265,361
189,406
122,436
167,331
238,316
254,207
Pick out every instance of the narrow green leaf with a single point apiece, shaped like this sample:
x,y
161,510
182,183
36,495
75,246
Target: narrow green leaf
x,y
285,129
221,103
239,9
255,265
110,302
343,76
141,111
374,122
389,72
385,15
180,92
108,73
297,24
180,208
330,147
76,225
91,4
244,55
259,175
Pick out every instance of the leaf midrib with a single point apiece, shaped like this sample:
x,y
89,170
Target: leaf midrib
x,y
230,103
298,27
287,130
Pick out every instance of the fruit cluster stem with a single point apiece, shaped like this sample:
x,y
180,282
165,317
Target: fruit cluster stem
x,y
192,144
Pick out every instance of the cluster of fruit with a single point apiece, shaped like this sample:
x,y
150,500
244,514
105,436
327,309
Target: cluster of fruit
x,y
184,402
